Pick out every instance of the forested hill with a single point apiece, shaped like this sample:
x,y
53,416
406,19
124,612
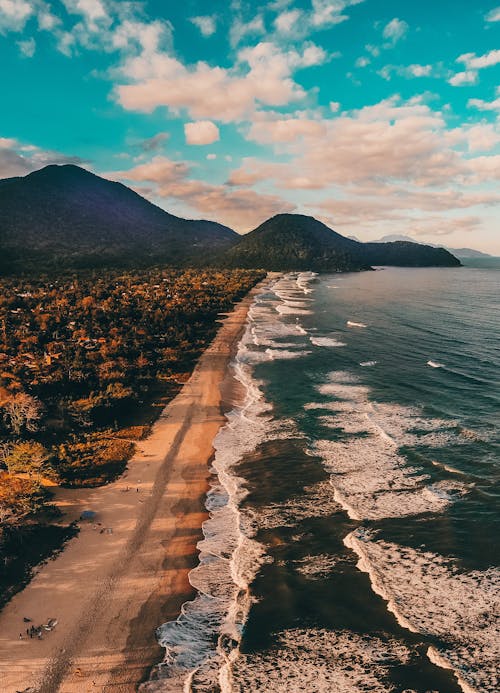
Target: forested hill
x,y
406,254
297,242
294,242
65,216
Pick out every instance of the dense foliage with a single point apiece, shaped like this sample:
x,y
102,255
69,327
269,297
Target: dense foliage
x,y
86,354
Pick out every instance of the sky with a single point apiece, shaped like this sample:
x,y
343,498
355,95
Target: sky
x,y
376,116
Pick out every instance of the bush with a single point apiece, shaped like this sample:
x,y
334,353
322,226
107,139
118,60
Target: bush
x,y
20,496
97,459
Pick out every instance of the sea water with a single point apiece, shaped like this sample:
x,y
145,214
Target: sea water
x,y
352,543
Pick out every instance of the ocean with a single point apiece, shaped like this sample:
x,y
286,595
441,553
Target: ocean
x,y
352,543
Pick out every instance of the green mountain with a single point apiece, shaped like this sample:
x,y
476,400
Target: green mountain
x,y
65,216
294,242
297,242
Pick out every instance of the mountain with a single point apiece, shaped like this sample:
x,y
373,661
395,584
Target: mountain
x,y
65,216
408,254
294,242
457,252
297,242
468,253
393,237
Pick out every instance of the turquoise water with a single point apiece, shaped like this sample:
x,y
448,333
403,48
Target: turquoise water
x,y
353,539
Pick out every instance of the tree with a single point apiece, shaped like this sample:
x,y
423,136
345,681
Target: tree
x,y
26,457
22,411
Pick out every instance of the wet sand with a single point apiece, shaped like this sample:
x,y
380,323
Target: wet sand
x,y
110,590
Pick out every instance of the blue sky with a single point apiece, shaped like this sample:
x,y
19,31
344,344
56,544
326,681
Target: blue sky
x,y
375,116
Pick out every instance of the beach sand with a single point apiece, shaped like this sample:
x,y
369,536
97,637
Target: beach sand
x,y
110,590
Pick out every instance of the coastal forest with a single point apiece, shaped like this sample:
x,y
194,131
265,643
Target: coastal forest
x,y
87,360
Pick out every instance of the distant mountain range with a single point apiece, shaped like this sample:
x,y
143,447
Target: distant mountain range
x,y
457,252
66,217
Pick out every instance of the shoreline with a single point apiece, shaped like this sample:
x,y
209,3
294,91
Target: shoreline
x,y
115,583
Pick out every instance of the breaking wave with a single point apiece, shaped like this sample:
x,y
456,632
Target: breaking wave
x,y
429,594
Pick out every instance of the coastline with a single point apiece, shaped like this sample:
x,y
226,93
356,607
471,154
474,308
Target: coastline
x,y
110,590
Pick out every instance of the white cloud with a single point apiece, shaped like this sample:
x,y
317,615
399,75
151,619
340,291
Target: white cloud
x,y
373,50
482,105
7,142
14,14
206,24
408,71
391,141
239,208
46,20
300,23
363,61
334,106
329,12
18,159
482,137
493,15
201,132
211,157
27,47
420,70
261,77
286,22
395,30
92,11
462,79
240,29
274,130
478,62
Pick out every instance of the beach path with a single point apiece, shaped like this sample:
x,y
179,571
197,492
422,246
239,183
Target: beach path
x,y
110,589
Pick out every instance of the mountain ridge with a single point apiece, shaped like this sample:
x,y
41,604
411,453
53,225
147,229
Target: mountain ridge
x,y
296,242
65,217
68,215
458,252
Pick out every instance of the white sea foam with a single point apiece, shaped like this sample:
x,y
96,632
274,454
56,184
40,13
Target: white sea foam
x,y
319,661
326,342
435,364
315,501
366,364
370,477
352,323
285,309
304,281
316,567
202,643
274,354
429,594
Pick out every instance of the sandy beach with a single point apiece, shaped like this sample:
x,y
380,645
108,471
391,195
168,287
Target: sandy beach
x,y
110,589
